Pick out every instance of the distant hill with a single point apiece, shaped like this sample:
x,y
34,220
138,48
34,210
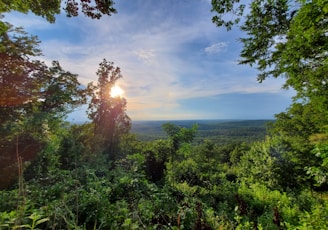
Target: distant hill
x,y
219,131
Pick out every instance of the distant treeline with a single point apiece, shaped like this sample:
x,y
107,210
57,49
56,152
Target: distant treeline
x,y
219,131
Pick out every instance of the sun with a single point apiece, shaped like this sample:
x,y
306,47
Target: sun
x,y
116,91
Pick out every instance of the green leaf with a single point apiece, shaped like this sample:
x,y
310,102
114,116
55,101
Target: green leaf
x,y
41,221
22,226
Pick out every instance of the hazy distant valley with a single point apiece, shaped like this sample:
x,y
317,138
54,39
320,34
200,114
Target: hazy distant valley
x,y
218,131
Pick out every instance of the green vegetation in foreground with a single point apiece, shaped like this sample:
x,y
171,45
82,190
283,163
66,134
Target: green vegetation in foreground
x,y
55,175
162,184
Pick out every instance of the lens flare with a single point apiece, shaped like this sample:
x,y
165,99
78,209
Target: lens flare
x,y
116,91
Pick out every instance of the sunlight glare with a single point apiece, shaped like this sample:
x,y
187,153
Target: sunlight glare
x,y
116,91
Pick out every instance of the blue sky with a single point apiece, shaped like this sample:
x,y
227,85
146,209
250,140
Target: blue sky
x,y
176,63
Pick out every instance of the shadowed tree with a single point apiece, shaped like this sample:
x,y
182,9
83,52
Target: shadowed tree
x,y
34,98
108,113
29,86
17,83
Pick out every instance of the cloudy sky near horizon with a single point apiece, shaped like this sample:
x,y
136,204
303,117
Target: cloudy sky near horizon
x,y
176,63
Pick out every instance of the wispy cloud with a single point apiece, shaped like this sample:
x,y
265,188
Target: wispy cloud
x,y
216,48
163,51
146,55
27,21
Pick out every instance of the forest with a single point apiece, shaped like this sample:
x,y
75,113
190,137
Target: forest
x,y
219,131
102,175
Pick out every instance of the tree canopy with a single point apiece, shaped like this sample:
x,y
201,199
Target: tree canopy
x,y
28,85
108,113
287,39
284,38
49,8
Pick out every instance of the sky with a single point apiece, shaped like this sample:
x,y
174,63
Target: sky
x,y
176,64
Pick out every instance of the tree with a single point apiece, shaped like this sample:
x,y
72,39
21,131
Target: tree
x,y
179,135
284,38
49,8
34,98
16,72
319,172
29,85
108,113
157,155
61,91
288,39
268,162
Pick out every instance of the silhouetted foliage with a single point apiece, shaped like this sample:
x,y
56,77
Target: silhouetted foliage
x,y
108,113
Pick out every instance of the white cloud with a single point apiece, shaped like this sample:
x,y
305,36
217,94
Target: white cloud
x,y
158,70
216,48
145,55
28,21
